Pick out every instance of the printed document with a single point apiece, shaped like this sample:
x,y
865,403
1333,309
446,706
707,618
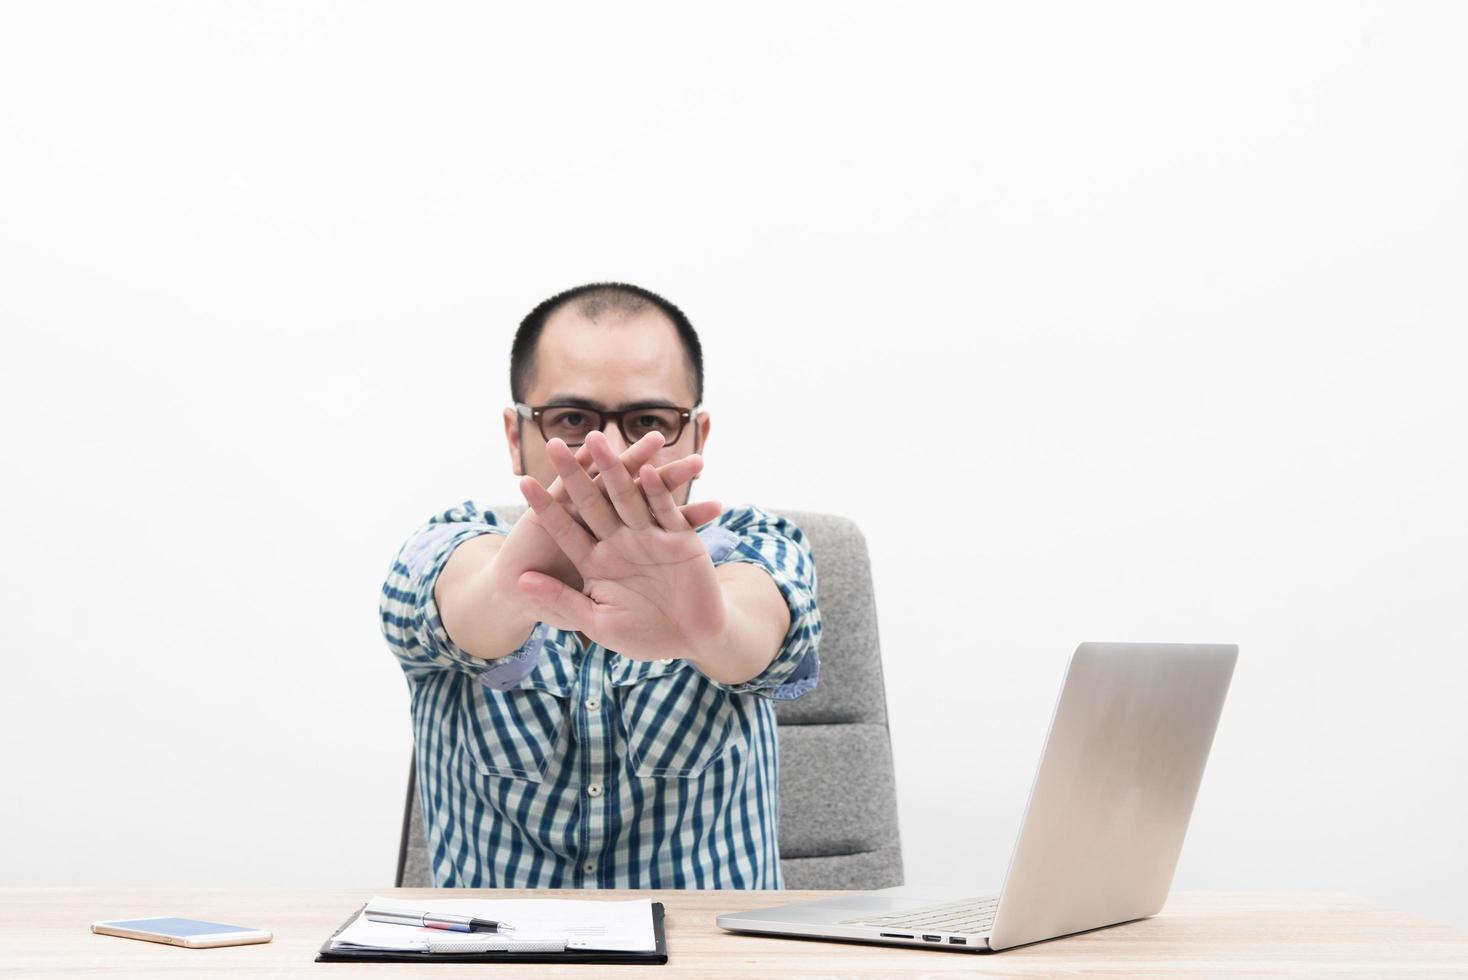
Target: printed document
x,y
623,926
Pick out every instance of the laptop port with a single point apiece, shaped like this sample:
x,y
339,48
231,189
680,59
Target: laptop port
x,y
957,942
932,939
897,935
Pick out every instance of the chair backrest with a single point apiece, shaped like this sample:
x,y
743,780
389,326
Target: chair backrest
x,y
838,793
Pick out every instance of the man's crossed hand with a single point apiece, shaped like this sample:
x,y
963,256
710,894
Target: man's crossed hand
x,y
647,586
530,547
605,551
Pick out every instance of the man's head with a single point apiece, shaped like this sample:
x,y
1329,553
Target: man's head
x,y
604,347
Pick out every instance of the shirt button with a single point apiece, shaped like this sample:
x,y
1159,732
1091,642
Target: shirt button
x,y
665,661
592,704
589,867
594,789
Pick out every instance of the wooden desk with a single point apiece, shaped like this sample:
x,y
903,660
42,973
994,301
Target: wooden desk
x,y
44,932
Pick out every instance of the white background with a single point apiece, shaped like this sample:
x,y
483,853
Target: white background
x,y
1103,322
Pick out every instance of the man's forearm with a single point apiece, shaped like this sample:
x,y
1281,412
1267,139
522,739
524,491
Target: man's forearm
x,y
480,620
755,623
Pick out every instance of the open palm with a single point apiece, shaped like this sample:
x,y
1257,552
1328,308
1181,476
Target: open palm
x,y
649,590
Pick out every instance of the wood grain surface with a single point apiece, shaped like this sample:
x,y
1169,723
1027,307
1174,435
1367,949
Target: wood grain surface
x,y
45,932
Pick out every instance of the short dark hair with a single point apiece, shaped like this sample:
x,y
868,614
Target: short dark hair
x,y
592,300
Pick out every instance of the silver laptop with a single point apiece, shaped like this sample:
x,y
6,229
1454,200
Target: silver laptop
x,y
1103,827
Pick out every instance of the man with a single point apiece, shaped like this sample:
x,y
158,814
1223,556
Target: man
x,y
592,687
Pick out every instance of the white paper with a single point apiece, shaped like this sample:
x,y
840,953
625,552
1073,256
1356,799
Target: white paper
x,y
622,926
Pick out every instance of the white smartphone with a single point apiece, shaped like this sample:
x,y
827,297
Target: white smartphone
x,y
181,932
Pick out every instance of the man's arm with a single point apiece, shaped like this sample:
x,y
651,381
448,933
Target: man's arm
x,y
756,621
480,607
770,559
411,621
475,543
482,620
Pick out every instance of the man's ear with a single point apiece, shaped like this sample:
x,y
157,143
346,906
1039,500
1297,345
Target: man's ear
x,y
700,438
512,440
700,431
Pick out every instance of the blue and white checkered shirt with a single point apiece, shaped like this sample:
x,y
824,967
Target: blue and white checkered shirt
x,y
566,765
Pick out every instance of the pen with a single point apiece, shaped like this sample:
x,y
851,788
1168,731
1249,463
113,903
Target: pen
x,y
436,920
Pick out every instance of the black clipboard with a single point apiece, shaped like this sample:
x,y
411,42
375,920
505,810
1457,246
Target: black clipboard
x,y
658,957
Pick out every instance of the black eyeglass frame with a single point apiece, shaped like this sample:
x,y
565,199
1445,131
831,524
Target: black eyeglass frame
x,y
535,414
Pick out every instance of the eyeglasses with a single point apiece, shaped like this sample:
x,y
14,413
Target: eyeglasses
x,y
573,423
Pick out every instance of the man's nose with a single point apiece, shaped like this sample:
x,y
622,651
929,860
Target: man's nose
x,y
613,432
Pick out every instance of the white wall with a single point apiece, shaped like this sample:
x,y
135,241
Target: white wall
x,y
1104,324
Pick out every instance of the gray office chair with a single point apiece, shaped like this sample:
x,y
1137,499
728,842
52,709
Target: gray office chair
x,y
838,795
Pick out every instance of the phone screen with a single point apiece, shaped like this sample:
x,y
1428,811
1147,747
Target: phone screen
x,y
181,928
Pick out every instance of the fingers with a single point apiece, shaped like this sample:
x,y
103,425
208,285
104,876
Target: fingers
x,y
701,512
620,502
641,451
562,606
557,488
632,458
624,494
661,500
570,536
680,471
591,504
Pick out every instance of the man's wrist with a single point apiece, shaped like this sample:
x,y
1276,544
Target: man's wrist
x,y
512,616
509,607
724,657
552,561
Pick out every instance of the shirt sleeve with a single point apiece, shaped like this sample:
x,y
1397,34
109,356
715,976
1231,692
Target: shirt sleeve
x,y
777,545
410,619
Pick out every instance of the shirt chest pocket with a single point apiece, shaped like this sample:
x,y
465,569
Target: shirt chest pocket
x,y
517,733
676,722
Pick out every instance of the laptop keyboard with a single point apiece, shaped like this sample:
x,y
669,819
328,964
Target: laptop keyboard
x,y
968,915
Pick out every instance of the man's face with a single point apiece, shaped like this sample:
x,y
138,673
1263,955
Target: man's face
x,y
616,361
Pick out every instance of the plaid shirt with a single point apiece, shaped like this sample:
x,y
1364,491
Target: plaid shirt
x,y
566,765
